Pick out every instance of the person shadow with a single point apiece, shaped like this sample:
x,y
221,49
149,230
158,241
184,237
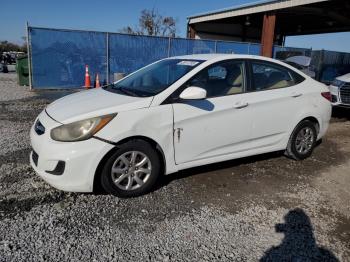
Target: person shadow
x,y
299,244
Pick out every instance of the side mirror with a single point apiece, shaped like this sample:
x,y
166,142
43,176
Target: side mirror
x,y
193,92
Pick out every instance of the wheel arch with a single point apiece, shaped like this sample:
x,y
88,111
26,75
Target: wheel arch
x,y
98,171
299,120
289,151
313,120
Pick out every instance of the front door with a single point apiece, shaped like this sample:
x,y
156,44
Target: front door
x,y
218,125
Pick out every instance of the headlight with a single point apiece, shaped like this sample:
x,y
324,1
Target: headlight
x,y
80,130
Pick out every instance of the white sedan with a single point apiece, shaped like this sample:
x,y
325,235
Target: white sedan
x,y
174,114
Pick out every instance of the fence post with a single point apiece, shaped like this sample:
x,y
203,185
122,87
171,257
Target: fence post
x,y
320,65
248,48
169,46
107,57
216,46
29,53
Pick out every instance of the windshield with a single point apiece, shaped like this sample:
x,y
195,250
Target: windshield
x,y
155,78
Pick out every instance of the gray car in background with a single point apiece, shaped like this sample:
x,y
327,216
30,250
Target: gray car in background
x,y
302,63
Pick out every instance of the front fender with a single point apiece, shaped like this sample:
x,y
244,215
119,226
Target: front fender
x,y
155,123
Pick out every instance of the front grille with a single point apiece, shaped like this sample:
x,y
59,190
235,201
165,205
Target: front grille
x,y
39,128
35,158
345,94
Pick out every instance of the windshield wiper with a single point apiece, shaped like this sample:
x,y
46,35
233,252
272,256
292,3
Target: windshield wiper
x,y
128,91
125,90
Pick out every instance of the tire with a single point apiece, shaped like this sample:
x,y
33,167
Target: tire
x,y
295,145
133,177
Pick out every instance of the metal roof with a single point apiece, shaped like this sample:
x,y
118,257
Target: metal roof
x,y
249,8
235,7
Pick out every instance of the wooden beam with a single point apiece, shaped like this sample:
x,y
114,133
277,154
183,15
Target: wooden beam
x,y
238,35
191,33
244,33
317,31
323,12
268,34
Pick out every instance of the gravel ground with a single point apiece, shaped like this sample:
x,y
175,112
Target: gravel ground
x,y
266,208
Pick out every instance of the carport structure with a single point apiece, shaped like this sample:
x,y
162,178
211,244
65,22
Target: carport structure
x,y
270,22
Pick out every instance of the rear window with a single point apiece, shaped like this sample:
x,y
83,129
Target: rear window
x,y
268,76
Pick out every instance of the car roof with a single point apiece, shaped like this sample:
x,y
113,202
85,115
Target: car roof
x,y
218,56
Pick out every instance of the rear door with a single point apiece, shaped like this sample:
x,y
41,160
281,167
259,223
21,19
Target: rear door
x,y
274,96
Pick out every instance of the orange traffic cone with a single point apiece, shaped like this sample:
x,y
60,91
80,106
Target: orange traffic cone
x,y
87,78
97,81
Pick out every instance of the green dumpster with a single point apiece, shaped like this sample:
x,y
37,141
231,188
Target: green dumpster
x,y
22,71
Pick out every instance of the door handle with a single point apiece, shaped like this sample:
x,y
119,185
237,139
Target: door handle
x,y
240,105
295,94
178,131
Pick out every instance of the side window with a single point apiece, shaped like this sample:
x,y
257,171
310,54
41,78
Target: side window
x,y
268,76
217,72
221,79
297,78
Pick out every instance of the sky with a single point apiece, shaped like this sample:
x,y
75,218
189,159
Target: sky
x,y
112,15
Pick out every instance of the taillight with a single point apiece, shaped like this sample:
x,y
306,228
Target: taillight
x,y
327,95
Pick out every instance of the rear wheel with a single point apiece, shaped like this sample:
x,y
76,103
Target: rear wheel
x,y
302,141
132,170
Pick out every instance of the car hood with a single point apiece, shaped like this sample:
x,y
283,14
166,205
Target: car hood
x,y
300,60
344,78
92,103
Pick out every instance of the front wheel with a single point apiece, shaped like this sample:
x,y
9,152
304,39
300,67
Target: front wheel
x,y
132,170
302,141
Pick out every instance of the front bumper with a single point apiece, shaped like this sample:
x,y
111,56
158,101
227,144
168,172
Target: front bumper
x,y
336,97
81,158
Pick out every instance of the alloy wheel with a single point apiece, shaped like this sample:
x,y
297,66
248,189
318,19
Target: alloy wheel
x,y
304,140
131,170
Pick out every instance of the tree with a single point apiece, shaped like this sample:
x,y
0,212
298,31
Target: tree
x,y
6,46
153,23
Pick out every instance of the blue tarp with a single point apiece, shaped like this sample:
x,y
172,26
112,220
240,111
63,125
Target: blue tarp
x,y
59,56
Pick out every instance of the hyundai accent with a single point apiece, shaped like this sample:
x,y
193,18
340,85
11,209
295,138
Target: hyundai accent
x,y
177,113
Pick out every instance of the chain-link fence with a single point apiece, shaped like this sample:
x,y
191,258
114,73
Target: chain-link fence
x,y
58,57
